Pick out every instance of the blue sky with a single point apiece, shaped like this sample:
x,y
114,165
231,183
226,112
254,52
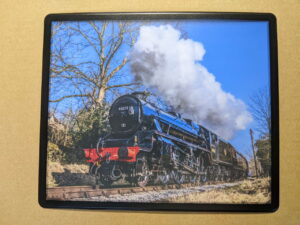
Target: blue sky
x,y
237,53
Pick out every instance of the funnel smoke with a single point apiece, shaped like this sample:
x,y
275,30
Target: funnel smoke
x,y
163,61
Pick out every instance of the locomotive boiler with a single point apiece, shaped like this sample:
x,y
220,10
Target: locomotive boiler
x,y
148,145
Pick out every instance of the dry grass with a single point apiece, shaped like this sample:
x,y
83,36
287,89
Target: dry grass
x,y
249,192
69,174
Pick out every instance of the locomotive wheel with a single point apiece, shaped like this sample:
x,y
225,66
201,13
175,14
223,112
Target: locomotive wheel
x,y
178,177
228,176
219,174
142,171
203,169
106,182
203,177
210,174
194,178
164,176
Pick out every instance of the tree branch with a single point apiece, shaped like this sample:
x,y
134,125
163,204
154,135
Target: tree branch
x,y
68,96
117,45
86,38
100,35
121,85
112,73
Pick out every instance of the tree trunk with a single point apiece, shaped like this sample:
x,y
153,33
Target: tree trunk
x,y
101,96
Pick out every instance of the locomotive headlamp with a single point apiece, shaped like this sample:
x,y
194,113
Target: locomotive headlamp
x,y
123,153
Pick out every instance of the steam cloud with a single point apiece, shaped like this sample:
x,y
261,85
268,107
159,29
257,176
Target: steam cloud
x,y
160,59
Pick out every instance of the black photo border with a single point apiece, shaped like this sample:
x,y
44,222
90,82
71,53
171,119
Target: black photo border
x,y
268,17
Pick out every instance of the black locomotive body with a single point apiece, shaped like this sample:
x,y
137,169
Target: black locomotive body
x,y
148,145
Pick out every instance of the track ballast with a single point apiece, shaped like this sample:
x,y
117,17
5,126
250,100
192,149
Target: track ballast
x,y
85,193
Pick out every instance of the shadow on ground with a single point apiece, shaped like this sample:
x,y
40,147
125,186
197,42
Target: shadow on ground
x,y
67,178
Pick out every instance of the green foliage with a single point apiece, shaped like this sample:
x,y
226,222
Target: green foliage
x,y
73,156
54,153
68,137
89,126
64,155
264,155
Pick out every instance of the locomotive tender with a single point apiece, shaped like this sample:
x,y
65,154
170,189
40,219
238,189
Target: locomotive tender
x,y
148,145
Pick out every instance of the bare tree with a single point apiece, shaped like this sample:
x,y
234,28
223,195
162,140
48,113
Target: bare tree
x,y
261,110
88,59
260,107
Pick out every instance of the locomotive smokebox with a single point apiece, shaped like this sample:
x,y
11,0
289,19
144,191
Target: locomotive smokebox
x,y
125,114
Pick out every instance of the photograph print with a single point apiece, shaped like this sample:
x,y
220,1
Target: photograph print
x,y
159,111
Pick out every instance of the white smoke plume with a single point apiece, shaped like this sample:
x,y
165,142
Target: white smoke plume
x,y
162,60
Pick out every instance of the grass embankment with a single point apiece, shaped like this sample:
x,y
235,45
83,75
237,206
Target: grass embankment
x,y
249,191
68,174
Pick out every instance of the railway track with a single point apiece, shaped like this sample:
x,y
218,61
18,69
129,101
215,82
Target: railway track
x,y
66,193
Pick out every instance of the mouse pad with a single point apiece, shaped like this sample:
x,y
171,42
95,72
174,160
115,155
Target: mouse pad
x,y
160,111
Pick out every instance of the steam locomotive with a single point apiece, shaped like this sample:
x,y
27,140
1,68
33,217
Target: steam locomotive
x,y
150,146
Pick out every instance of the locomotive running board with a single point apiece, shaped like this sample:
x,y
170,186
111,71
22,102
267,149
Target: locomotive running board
x,y
181,141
